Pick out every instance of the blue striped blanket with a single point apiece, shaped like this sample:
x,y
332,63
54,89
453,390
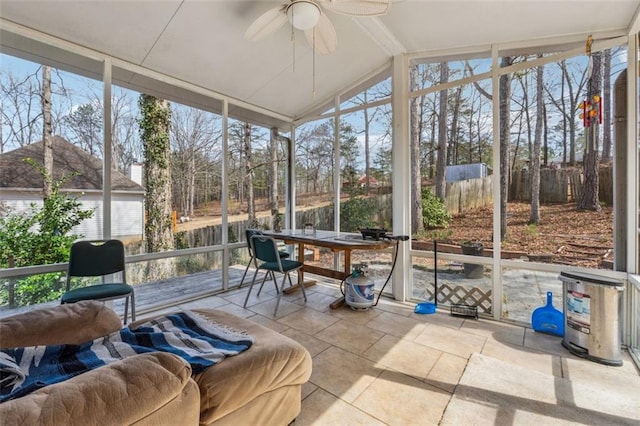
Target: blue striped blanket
x,y
199,341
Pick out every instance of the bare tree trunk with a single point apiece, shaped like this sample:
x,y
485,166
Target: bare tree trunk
x,y
154,133
534,217
606,107
505,130
47,137
367,154
545,139
417,222
441,164
590,199
273,172
251,202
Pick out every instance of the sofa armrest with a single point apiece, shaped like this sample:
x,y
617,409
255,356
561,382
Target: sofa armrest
x,y
72,324
154,388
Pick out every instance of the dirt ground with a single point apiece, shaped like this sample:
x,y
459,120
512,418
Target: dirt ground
x,y
564,235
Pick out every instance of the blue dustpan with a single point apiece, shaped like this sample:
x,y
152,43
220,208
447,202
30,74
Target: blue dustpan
x,y
425,308
548,319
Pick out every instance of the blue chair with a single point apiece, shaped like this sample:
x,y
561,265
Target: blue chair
x,y
99,259
266,251
252,259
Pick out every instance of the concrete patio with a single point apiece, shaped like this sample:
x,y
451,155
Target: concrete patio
x,y
391,366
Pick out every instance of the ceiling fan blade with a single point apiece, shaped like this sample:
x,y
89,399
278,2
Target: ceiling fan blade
x,y
357,7
266,23
325,40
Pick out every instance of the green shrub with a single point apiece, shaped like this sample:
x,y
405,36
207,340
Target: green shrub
x,y
356,213
434,215
42,235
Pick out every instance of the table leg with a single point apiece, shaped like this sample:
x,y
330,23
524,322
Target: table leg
x,y
301,280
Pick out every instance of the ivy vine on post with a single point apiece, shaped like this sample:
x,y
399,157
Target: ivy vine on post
x,y
154,121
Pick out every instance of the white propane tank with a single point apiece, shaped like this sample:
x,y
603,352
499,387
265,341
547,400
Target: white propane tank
x,y
358,289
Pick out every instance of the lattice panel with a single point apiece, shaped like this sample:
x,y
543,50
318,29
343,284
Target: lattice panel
x,y
449,295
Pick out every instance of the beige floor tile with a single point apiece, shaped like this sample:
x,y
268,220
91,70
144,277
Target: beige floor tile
x,y
267,308
413,401
404,356
208,303
544,342
397,325
308,320
447,371
355,316
234,309
326,289
313,345
524,357
238,297
449,340
342,373
352,337
601,376
318,301
269,323
441,317
322,408
392,306
505,333
307,389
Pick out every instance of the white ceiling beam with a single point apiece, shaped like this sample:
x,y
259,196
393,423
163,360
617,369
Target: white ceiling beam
x,y
381,36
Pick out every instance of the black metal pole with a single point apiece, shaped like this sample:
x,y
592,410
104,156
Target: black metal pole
x,y
435,275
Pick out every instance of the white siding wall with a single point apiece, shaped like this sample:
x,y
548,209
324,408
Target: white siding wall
x,y
127,212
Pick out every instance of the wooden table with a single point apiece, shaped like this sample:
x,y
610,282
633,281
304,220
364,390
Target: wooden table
x,y
335,241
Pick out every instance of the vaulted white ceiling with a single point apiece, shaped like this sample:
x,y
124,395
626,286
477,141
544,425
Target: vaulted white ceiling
x,y
201,42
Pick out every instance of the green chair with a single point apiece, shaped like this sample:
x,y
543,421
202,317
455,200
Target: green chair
x,y
252,259
266,251
99,259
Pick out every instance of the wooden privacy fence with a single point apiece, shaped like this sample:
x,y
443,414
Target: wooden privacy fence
x,y
465,195
560,185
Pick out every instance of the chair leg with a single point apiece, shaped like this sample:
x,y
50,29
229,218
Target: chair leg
x,y
244,275
246,299
275,283
126,309
245,272
284,279
133,306
304,292
263,280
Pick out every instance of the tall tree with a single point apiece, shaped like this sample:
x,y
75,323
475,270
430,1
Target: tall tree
x,y
249,174
417,224
85,124
47,137
606,107
505,138
441,162
154,123
590,199
273,172
534,217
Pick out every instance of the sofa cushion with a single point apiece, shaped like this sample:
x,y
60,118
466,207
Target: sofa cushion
x,y
65,324
274,361
131,391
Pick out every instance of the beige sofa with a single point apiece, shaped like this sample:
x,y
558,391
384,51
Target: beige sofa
x,y
259,386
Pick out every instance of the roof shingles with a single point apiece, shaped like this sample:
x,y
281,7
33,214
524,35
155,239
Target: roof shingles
x,y
15,173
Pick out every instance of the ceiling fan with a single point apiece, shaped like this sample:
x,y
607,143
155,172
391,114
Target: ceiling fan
x,y
309,16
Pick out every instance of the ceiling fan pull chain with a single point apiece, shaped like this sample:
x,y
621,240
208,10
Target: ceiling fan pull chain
x,y
293,48
313,49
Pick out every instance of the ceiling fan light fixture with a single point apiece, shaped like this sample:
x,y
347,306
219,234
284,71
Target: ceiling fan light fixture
x,y
303,14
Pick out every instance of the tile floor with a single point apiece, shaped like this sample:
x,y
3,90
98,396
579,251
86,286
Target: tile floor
x,y
390,366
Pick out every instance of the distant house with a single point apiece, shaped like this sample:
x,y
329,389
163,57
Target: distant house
x,y
373,182
21,185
